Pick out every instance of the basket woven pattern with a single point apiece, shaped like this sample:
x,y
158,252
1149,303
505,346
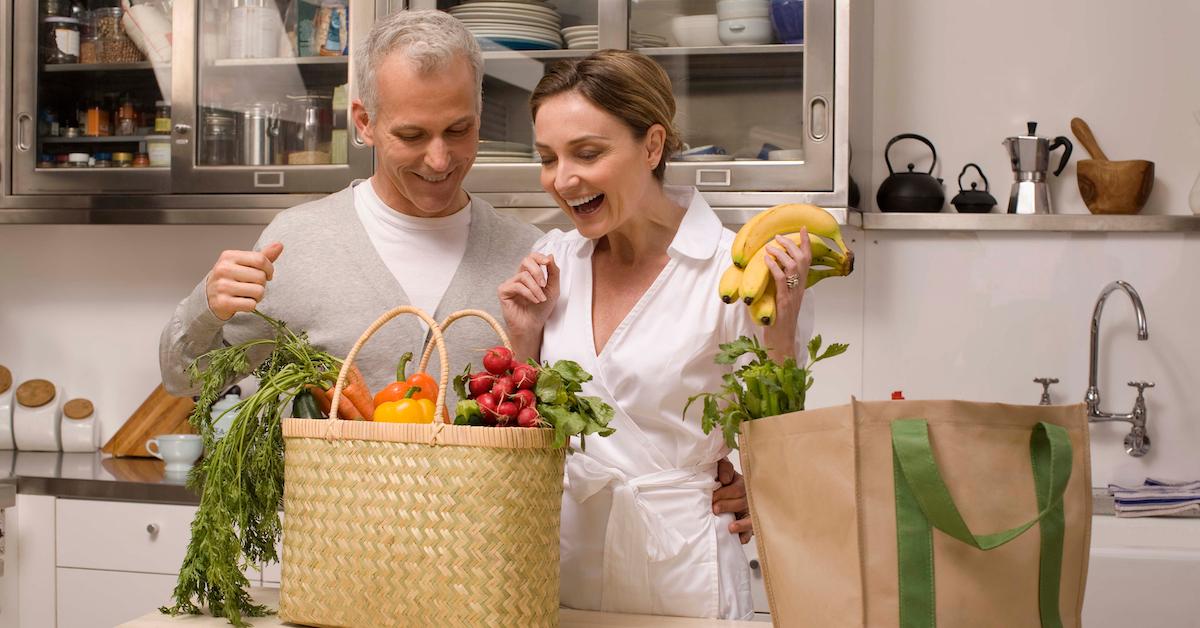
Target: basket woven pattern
x,y
419,525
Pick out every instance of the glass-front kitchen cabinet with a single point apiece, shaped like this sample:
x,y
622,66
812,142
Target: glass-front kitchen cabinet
x,y
228,110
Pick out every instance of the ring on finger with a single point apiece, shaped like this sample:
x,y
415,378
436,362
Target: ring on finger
x,y
792,281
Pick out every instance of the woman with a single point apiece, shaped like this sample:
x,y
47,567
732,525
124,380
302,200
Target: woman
x,y
631,295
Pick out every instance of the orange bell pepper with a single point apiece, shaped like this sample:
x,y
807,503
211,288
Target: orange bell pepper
x,y
406,410
397,390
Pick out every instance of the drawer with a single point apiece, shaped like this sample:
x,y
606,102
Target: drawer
x,y
122,536
758,587
87,598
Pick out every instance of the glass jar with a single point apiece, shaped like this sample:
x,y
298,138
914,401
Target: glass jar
x,y
45,161
254,29
60,40
141,160
112,44
219,144
89,49
122,160
158,150
78,160
162,117
56,8
102,160
126,117
98,122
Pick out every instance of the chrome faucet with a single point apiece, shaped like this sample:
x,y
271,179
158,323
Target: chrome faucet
x,y
1137,442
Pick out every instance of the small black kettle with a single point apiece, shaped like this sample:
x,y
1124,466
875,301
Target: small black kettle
x,y
910,191
973,201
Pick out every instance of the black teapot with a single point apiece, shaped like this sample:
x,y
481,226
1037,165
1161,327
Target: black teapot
x,y
973,201
910,191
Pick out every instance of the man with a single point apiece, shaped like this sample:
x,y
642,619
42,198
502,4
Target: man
x,y
408,235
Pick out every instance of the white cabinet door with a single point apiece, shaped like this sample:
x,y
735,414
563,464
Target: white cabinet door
x,y
150,538
89,598
758,587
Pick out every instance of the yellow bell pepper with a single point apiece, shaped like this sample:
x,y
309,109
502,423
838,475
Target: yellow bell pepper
x,y
406,410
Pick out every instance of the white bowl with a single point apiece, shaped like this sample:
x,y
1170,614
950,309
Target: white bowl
x,y
695,31
745,31
728,9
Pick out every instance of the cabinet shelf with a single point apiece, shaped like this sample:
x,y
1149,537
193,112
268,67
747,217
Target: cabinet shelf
x,y
951,221
281,61
101,67
768,49
108,139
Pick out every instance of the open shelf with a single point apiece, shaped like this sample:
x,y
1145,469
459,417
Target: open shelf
x,y
952,221
101,67
107,139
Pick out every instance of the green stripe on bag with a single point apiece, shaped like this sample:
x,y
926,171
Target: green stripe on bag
x,y
923,502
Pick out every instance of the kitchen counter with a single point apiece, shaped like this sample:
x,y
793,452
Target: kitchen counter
x,y
92,476
568,618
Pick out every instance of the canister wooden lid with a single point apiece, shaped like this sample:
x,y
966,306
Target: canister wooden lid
x,y
5,379
78,409
35,393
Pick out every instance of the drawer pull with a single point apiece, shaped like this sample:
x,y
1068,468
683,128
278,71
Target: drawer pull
x,y
152,529
754,564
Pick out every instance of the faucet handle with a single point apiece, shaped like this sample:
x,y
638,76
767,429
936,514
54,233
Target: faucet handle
x,y
1141,386
1045,382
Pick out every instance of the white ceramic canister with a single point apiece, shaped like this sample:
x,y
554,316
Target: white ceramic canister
x,y
6,408
36,416
80,427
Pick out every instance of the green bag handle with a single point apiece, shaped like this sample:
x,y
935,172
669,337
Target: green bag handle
x,y
923,502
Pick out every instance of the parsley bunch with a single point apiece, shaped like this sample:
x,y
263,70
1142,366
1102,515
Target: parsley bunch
x,y
759,389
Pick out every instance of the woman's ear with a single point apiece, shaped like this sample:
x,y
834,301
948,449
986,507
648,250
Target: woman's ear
x,y
654,144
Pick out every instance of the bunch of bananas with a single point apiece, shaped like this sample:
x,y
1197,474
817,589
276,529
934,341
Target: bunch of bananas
x,y
749,278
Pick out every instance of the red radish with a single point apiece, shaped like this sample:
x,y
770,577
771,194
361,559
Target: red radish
x,y
508,411
497,360
503,387
524,398
479,383
487,403
525,376
529,417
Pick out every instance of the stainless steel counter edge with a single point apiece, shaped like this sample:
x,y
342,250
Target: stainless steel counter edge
x,y
107,490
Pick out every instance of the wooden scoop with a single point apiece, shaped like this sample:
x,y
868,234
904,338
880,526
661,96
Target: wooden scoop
x,y
1110,187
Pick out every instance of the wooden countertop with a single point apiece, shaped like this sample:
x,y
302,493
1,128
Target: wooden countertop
x,y
568,618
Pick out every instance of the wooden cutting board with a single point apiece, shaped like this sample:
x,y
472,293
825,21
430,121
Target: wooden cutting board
x,y
160,413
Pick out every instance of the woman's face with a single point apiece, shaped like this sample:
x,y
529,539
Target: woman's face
x,y
592,164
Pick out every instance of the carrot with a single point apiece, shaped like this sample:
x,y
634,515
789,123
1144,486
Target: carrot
x,y
359,393
346,408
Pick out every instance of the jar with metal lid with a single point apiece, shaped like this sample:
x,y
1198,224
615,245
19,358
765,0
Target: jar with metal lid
x,y
162,117
219,143
78,160
45,161
141,160
122,159
102,160
56,8
60,40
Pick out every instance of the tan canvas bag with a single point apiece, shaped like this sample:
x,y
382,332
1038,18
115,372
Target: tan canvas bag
x,y
987,495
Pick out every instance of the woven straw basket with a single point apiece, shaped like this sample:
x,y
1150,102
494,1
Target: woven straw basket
x,y
391,524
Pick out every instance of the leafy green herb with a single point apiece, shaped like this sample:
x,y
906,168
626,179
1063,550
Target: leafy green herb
x,y
759,389
240,480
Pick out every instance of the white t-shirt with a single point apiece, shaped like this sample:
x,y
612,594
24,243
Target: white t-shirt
x,y
422,253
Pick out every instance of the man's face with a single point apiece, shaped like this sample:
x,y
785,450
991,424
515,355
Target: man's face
x,y
425,132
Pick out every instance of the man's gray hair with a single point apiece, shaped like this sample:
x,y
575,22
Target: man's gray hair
x,y
431,39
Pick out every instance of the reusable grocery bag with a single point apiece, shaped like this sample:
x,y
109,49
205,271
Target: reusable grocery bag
x,y
922,513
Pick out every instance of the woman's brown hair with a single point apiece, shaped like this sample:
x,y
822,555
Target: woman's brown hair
x,y
626,84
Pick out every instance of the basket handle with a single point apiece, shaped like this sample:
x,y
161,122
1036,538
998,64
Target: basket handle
x,y
488,318
438,340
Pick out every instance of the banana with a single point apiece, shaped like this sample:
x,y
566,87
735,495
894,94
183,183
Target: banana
x,y
817,274
757,274
762,310
730,281
782,219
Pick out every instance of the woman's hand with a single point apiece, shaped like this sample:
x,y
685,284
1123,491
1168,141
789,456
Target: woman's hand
x,y
731,497
789,265
526,300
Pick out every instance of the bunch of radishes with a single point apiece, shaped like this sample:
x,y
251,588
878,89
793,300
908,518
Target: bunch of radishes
x,y
504,390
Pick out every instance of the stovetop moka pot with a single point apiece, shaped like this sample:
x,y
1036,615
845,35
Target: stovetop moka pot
x,y
1030,156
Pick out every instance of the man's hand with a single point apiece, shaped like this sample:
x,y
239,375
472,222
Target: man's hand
x,y
731,497
239,279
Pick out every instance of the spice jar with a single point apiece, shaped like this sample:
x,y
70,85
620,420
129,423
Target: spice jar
x,y
162,117
98,122
126,117
141,160
45,161
122,160
102,160
60,40
78,160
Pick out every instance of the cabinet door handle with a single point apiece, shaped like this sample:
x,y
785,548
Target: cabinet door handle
x,y
23,129
152,528
754,564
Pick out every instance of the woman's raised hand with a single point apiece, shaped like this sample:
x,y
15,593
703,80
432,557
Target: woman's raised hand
x,y
789,263
526,300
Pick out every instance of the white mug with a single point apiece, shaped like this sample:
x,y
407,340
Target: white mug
x,y
179,451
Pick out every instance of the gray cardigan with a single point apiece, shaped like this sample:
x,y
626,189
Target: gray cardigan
x,y
331,283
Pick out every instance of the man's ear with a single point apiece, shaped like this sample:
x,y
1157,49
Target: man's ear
x,y
362,121
654,144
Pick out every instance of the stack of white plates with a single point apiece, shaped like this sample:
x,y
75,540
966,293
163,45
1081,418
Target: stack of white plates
x,y
511,24
494,152
588,37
